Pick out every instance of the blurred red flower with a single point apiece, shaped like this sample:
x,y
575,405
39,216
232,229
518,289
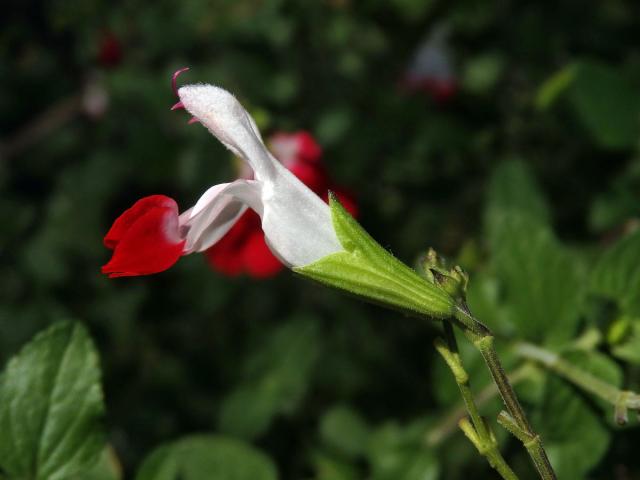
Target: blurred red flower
x,y
243,249
431,70
109,50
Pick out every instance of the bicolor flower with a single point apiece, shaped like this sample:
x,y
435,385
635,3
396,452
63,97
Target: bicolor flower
x,y
321,242
243,249
152,235
431,69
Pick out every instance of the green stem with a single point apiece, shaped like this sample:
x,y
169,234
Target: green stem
x,y
483,340
452,357
448,425
531,442
477,431
622,400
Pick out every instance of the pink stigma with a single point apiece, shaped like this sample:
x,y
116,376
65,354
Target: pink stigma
x,y
193,120
175,77
177,106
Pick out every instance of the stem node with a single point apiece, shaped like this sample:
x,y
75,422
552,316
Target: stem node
x,y
515,420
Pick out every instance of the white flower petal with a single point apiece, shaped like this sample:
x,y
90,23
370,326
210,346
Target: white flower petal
x,y
296,222
217,211
285,147
225,118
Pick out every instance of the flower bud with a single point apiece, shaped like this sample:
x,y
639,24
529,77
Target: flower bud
x,y
452,280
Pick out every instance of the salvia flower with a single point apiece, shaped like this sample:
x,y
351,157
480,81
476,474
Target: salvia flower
x,y
243,249
151,236
322,242
431,69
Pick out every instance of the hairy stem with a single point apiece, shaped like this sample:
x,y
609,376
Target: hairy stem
x,y
483,340
477,431
448,425
622,400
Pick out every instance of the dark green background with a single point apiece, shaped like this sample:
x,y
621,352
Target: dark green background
x,y
553,86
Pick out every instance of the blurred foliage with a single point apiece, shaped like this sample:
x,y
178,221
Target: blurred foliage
x,y
204,456
530,175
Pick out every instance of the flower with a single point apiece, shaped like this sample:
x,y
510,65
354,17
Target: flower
x,y
151,236
431,69
109,50
243,249
321,242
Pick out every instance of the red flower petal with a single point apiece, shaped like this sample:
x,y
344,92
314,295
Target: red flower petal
x,y
130,216
313,176
441,90
290,148
243,250
226,255
109,50
308,148
258,260
145,239
224,261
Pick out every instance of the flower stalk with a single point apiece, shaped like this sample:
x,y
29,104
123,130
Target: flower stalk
x,y
475,426
515,416
448,425
622,400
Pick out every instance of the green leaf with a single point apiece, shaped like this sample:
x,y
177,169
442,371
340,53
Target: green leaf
x,y
413,10
397,453
328,467
482,72
568,426
333,125
603,100
277,378
345,430
606,104
513,192
206,457
555,86
629,349
483,298
616,275
542,280
619,203
51,406
367,270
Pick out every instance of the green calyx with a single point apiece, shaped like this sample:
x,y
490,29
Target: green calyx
x,y
367,270
452,280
